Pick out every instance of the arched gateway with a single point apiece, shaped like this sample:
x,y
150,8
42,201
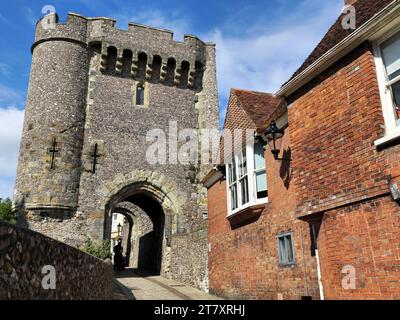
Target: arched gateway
x,y
147,247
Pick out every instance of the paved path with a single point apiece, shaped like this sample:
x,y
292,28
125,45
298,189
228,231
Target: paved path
x,y
133,285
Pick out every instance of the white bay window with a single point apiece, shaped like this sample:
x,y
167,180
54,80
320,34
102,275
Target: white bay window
x,y
247,179
387,53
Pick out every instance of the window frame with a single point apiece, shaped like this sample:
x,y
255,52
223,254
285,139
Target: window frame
x,y
140,94
256,171
392,126
232,184
284,236
251,183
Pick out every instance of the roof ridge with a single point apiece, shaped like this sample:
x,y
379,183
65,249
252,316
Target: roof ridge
x,y
251,91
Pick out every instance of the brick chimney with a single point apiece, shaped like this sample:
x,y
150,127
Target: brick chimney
x,y
349,2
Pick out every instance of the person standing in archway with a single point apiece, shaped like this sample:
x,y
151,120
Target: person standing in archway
x,y
118,258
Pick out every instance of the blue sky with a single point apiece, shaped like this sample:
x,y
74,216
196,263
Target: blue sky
x,y
259,45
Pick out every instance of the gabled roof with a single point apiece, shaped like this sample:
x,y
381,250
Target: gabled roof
x,y
246,110
365,10
250,109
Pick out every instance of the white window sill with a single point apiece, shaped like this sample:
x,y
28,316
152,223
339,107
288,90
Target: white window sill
x,y
389,137
249,205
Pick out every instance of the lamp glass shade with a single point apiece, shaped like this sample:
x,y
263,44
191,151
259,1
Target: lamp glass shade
x,y
274,137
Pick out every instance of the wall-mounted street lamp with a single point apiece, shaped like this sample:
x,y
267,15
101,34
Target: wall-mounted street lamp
x,y
274,135
119,231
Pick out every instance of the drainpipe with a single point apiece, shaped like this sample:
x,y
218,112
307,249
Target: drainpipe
x,y
321,288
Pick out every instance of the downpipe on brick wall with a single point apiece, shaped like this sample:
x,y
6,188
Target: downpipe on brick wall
x,y
320,286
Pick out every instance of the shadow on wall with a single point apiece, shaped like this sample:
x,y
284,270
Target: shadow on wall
x,y
150,253
146,251
285,171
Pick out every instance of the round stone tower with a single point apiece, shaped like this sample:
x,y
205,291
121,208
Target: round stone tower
x,y
50,152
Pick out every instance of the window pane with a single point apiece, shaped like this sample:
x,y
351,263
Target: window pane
x,y
391,56
140,95
244,187
233,190
242,164
261,183
396,97
289,248
259,161
232,172
282,245
280,250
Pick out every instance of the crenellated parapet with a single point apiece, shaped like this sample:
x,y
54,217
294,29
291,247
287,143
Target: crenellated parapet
x,y
140,52
49,28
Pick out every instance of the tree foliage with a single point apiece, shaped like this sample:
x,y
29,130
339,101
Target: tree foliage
x,y
100,250
6,213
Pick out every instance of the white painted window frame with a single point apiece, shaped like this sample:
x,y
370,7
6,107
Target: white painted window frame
x,y
392,128
253,201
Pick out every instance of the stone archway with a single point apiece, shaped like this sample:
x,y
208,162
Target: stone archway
x,y
156,196
128,210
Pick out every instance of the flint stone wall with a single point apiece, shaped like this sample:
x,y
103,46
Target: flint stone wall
x,y
24,253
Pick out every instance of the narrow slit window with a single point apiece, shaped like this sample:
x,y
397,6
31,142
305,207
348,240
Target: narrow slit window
x,y
140,94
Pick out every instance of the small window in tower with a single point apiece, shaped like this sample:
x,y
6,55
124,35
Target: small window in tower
x,y
140,94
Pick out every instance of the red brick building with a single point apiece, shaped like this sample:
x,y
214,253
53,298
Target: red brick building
x,y
341,188
249,214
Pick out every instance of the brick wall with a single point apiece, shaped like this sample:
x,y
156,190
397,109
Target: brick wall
x,y
338,171
243,261
334,123
24,253
366,237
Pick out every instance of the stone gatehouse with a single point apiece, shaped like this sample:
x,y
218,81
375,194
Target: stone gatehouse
x,y
95,91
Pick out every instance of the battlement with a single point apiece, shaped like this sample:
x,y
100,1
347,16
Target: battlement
x,y
85,29
140,52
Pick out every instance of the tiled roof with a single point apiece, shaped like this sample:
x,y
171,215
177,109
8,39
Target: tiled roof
x,y
250,109
365,10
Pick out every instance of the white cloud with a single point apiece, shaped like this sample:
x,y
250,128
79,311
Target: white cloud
x,y
11,121
9,96
263,61
4,69
31,17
